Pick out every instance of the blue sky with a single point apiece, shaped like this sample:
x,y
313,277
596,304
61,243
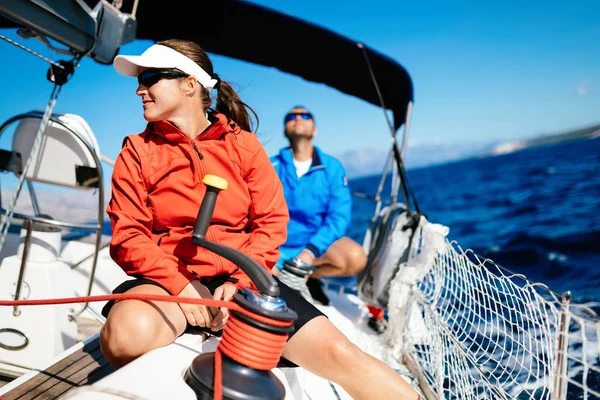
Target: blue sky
x,y
481,72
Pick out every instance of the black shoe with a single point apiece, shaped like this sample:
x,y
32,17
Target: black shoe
x,y
378,325
316,291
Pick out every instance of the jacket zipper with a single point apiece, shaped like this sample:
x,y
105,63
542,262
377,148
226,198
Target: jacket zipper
x,y
201,157
197,151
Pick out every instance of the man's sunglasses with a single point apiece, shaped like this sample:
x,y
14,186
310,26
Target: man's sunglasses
x,y
292,116
152,76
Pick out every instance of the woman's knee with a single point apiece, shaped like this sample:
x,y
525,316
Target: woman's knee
x,y
114,344
127,334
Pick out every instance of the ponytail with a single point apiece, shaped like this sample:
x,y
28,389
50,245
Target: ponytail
x,y
230,104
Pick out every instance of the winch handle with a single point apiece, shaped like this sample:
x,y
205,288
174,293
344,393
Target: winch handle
x,y
257,274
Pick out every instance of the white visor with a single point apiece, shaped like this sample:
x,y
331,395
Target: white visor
x,y
162,57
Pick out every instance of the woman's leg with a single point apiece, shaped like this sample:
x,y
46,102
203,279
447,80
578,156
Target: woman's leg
x,y
135,327
322,349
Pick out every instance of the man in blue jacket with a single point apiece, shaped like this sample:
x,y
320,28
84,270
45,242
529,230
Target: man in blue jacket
x,y
319,202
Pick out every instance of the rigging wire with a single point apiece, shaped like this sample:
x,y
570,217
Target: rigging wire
x,y
401,169
59,73
27,49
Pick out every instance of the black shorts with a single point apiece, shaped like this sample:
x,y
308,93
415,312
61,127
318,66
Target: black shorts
x,y
294,300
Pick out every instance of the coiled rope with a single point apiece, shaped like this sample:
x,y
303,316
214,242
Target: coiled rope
x,y
295,282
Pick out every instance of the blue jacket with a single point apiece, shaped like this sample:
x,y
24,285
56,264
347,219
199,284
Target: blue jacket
x,y
319,202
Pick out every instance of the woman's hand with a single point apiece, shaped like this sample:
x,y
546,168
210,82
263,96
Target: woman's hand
x,y
197,315
223,292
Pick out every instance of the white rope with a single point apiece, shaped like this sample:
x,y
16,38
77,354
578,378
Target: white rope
x,y
295,282
107,160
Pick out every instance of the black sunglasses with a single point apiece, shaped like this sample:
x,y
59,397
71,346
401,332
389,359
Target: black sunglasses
x,y
152,76
292,116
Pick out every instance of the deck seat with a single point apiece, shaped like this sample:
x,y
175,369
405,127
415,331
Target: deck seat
x,y
67,158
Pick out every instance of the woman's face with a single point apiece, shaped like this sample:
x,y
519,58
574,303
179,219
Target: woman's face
x,y
161,100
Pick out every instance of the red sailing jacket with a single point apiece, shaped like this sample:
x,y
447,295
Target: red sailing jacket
x,y
157,190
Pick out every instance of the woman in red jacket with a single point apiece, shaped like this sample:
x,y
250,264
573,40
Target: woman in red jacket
x,y
156,194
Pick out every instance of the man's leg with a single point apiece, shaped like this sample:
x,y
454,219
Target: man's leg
x,y
344,257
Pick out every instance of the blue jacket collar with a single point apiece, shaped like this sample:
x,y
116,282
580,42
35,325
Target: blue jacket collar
x,y
288,158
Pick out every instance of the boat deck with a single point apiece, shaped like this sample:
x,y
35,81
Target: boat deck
x,y
83,367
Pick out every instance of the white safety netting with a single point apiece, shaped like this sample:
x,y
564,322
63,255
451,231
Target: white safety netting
x,y
476,331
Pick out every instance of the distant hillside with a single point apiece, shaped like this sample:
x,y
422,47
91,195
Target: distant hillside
x,y
369,161
509,147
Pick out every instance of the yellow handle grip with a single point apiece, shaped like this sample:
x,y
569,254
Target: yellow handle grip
x,y
215,181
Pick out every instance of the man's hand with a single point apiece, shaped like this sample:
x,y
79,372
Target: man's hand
x,y
197,315
223,292
307,256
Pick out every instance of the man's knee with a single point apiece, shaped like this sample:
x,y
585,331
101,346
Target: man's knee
x,y
345,256
356,259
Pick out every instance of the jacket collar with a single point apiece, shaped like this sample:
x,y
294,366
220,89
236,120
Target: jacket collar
x,y
219,127
316,162
288,157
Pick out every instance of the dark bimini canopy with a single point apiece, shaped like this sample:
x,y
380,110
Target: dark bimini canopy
x,y
256,34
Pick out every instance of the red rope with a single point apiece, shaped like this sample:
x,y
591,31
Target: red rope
x,y
248,346
251,346
241,342
146,297
218,383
